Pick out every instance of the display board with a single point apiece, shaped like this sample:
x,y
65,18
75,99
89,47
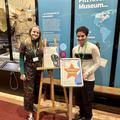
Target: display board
x,y
51,57
71,72
54,21
100,17
117,74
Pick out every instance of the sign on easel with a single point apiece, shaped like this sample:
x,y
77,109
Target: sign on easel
x,y
51,57
71,72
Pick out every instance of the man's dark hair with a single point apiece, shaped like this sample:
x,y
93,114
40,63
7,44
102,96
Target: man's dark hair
x,y
83,29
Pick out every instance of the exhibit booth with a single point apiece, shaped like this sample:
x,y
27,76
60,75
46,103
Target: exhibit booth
x,y
59,24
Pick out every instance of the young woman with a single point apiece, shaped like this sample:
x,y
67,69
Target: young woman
x,y
30,58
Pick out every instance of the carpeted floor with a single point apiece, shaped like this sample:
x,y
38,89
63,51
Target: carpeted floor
x,y
10,111
50,116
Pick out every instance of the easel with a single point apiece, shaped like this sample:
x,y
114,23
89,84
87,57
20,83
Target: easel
x,y
70,102
50,75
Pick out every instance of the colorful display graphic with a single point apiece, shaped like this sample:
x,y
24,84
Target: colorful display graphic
x,y
71,72
100,17
51,57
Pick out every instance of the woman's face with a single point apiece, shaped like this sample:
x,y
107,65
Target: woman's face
x,y
35,33
81,37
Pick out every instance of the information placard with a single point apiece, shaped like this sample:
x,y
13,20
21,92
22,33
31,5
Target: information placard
x,y
51,57
71,72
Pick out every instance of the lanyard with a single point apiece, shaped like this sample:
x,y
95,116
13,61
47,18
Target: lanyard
x,y
83,53
35,49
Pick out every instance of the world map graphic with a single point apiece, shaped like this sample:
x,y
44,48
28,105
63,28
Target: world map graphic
x,y
99,21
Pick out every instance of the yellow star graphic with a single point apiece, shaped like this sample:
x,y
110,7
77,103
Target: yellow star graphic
x,y
72,71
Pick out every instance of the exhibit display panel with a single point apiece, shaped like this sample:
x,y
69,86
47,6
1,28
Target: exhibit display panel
x,y
117,73
100,17
17,17
22,18
55,24
4,45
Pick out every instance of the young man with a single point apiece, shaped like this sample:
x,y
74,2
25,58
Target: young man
x,y
90,60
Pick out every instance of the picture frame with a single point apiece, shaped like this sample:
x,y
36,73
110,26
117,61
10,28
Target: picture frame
x,y
71,72
51,57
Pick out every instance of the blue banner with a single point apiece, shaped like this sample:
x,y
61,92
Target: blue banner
x,y
100,17
54,21
117,74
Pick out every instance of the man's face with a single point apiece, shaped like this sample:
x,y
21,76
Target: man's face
x,y
81,37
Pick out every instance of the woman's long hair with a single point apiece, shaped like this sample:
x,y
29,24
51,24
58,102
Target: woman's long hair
x,y
28,41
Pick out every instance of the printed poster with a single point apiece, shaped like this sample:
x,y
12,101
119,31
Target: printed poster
x,y
100,17
55,23
71,72
51,57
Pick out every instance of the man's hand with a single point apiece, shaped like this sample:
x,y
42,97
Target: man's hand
x,y
85,76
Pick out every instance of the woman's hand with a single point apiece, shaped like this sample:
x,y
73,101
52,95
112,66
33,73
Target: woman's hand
x,y
23,77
